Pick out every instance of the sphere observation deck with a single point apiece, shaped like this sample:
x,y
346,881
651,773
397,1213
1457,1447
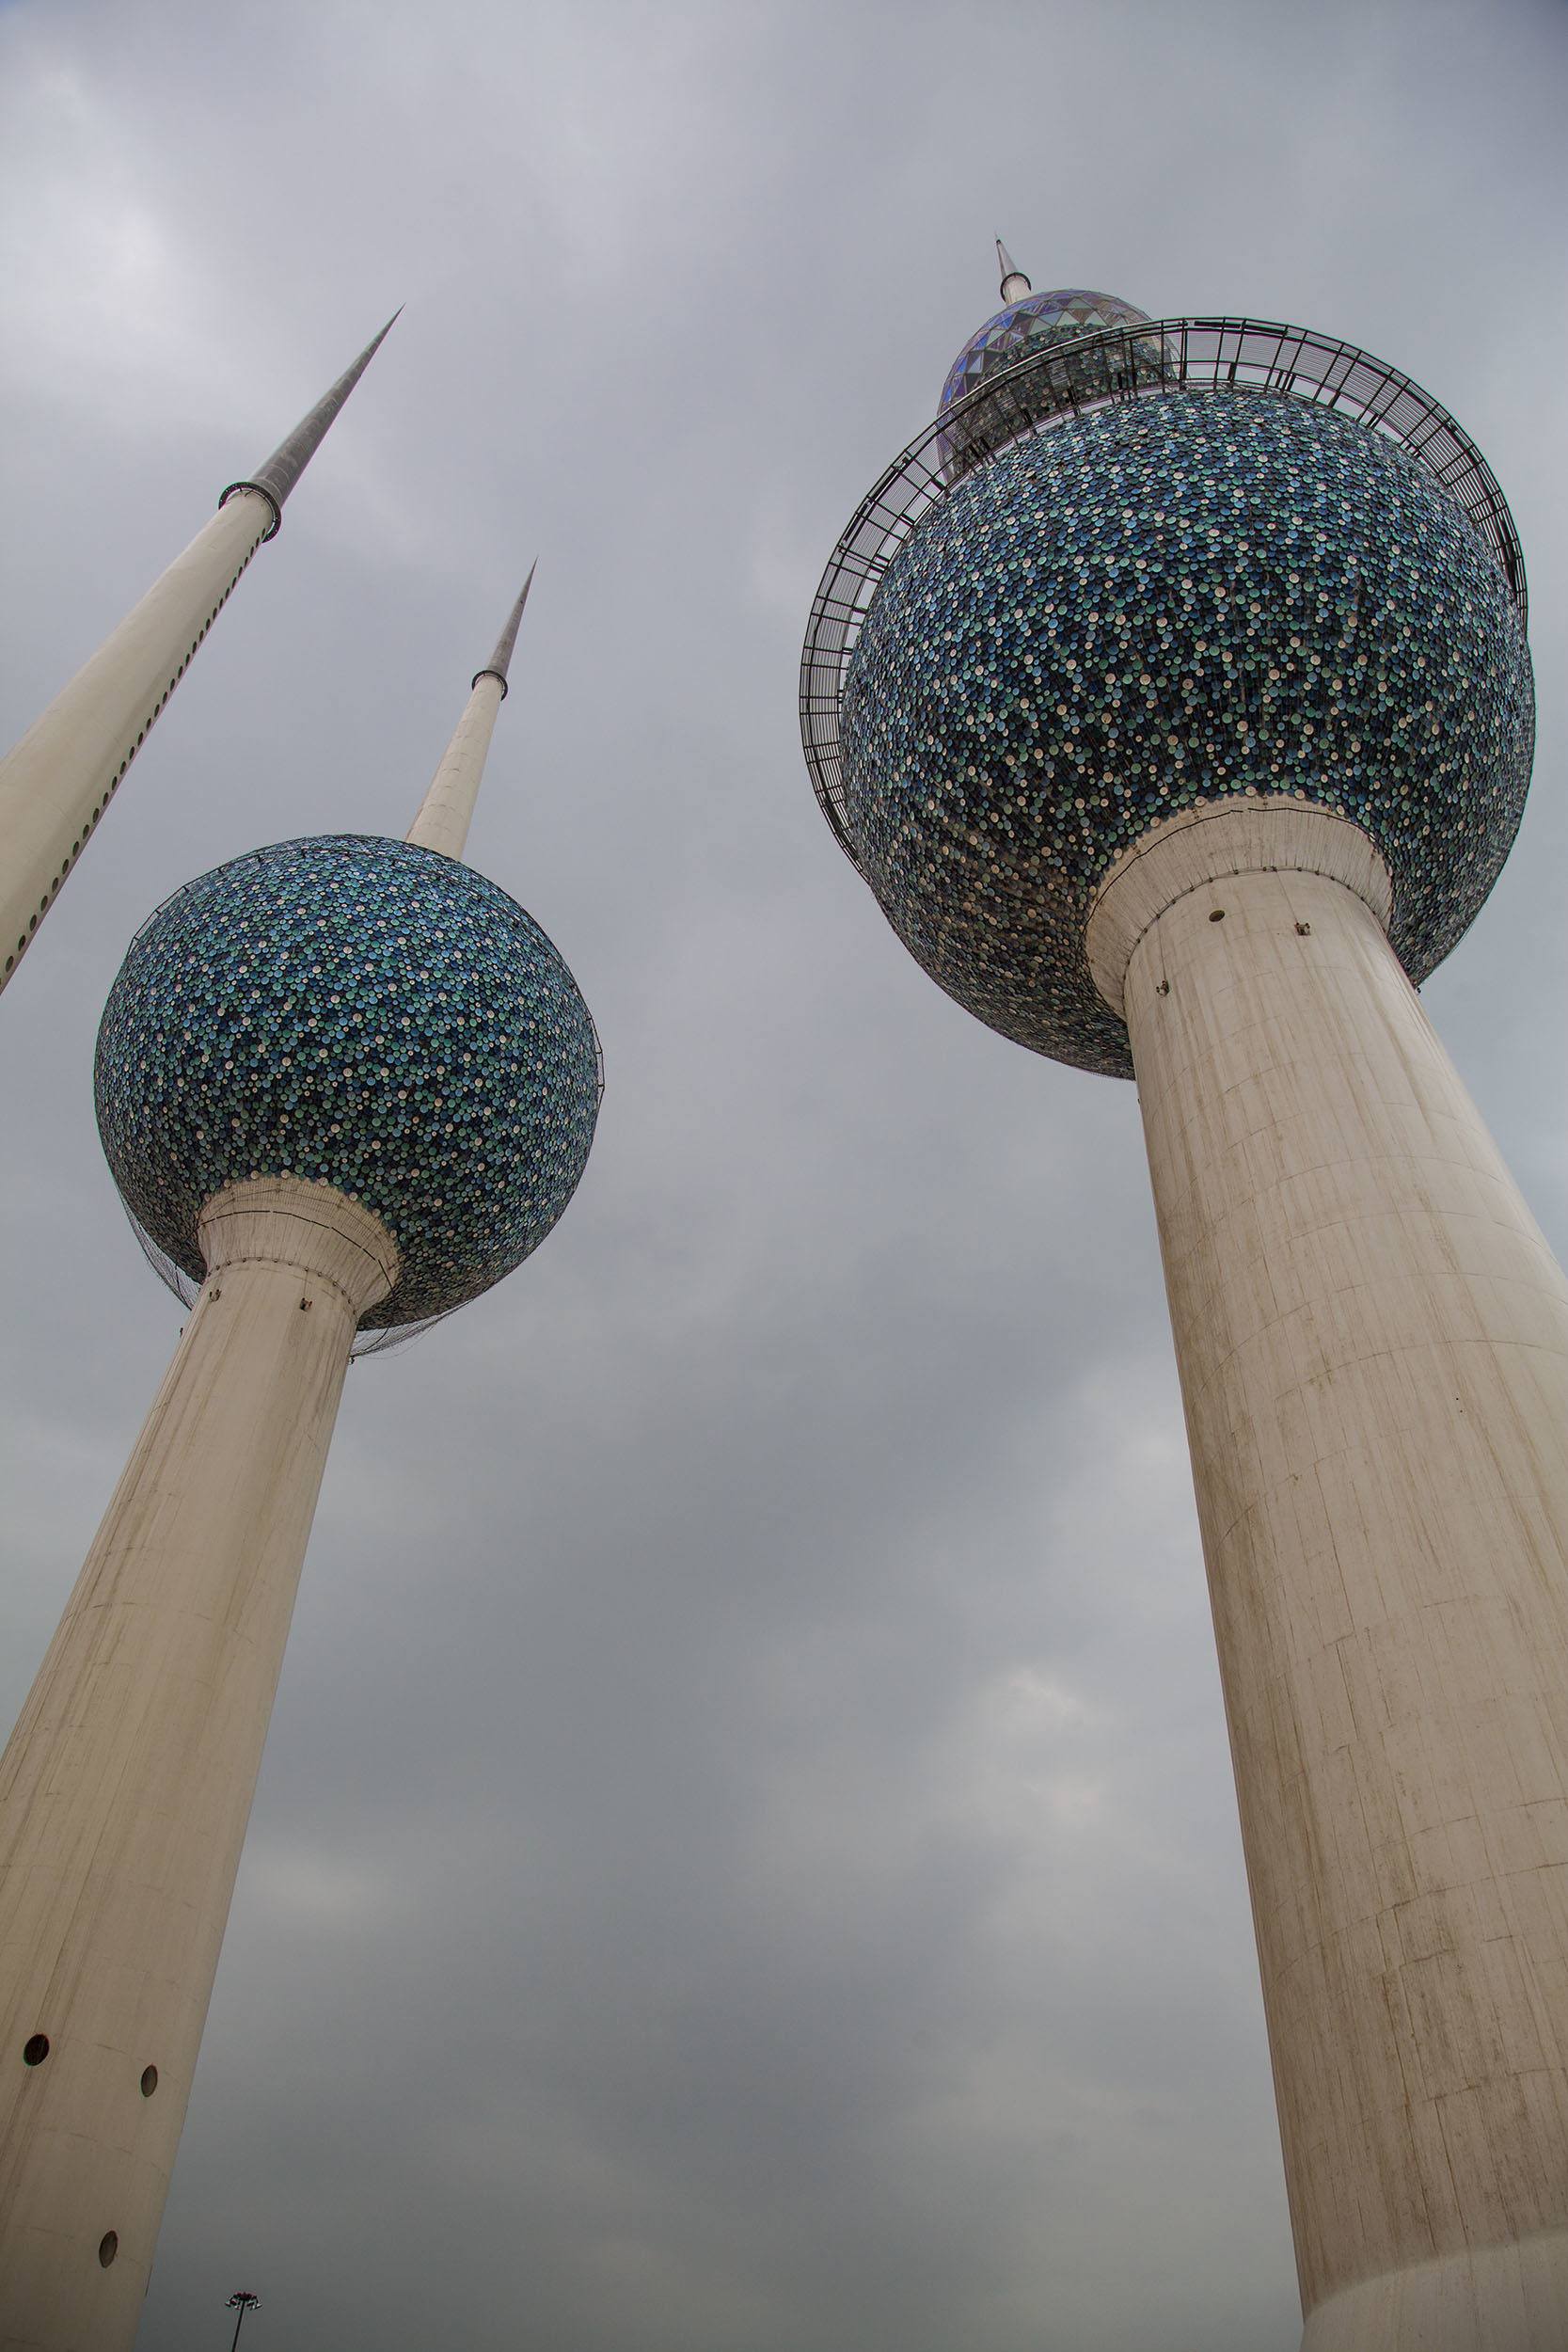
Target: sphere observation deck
x,y
1281,570
361,1013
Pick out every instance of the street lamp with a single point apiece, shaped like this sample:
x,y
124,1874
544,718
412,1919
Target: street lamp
x,y
242,2302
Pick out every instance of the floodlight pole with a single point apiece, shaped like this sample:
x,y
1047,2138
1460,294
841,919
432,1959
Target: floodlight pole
x,y
242,2302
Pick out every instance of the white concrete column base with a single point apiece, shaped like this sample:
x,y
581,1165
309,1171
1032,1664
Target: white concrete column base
x,y
126,1787
1372,1340
1494,2298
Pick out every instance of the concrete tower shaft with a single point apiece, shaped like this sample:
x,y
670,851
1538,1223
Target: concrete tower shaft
x,y
126,1785
1372,1340
58,781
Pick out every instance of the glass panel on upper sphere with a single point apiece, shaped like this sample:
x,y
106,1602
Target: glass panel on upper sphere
x,y
1041,322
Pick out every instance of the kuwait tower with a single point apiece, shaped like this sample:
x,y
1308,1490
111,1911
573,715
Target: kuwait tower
x,y
344,1086
1171,692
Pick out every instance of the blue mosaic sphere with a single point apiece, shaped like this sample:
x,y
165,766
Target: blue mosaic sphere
x,y
1174,599
360,1013
1059,317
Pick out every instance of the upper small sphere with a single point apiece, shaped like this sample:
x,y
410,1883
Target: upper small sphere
x,y
1168,600
1056,317
1060,316
361,1013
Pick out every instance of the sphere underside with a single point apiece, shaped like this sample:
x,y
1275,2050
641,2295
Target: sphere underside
x,y
361,1013
1196,595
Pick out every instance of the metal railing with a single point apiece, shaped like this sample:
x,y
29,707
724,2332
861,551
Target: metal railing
x,y
1049,387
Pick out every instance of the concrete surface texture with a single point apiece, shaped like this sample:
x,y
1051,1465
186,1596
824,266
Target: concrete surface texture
x,y
447,809
126,1787
1372,1339
58,781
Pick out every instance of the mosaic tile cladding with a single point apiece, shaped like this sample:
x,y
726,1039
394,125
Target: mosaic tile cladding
x,y
363,1014
1193,593
1039,320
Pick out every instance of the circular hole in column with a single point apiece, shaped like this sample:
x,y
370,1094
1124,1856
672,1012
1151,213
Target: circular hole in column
x,y
149,2081
35,2049
1216,914
109,2247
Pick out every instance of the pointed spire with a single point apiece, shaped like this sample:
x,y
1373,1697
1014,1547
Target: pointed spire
x,y
277,478
447,809
1014,284
500,659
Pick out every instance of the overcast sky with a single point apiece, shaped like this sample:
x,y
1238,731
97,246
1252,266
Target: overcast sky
x,y
745,1859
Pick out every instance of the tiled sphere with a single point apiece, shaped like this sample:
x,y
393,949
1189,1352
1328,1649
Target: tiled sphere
x,y
1061,316
1192,594
360,1013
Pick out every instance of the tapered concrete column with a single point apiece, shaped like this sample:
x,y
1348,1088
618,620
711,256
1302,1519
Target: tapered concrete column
x,y
1372,1339
57,783
58,780
447,808
127,1783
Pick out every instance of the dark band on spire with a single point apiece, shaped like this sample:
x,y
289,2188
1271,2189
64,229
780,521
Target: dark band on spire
x,y
1011,275
277,478
500,659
